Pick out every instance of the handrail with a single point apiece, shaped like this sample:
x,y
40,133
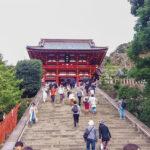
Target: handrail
x,y
138,124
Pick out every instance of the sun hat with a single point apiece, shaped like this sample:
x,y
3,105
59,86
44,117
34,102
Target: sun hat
x,y
91,123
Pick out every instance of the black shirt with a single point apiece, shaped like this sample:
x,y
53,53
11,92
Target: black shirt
x,y
104,133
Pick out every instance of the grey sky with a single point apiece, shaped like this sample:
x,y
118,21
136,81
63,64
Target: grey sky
x,y
25,22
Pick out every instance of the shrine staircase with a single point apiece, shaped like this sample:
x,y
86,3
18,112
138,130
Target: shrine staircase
x,y
54,129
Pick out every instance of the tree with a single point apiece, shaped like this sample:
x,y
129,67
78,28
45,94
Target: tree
x,y
140,46
141,42
29,71
135,4
9,87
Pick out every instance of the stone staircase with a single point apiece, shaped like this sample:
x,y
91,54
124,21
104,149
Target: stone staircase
x,y
54,129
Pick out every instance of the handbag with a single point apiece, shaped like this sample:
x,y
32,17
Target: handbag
x,y
85,135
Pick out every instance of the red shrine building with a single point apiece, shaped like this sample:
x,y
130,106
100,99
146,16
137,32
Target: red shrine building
x,y
68,58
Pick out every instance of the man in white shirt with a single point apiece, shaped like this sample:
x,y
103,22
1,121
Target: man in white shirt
x,y
61,92
92,101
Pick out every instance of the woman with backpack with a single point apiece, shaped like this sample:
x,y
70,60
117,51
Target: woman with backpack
x,y
76,113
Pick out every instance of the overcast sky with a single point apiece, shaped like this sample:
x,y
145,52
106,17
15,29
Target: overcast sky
x,y
25,22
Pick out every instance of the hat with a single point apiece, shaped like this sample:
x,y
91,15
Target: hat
x,y
19,143
102,121
91,123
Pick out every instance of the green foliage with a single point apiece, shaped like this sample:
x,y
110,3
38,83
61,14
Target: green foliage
x,y
117,85
140,74
29,71
141,45
110,71
9,88
132,96
144,14
145,105
138,102
23,106
135,5
128,92
146,91
145,111
141,39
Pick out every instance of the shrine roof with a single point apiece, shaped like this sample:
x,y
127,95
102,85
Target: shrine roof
x,y
66,44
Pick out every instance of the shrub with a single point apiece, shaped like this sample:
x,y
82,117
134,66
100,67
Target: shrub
x,y
145,112
133,98
117,85
23,106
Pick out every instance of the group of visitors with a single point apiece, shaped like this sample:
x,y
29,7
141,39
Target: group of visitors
x,y
20,146
89,102
91,136
68,82
50,90
84,97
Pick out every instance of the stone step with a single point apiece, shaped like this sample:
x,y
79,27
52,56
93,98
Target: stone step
x,y
54,129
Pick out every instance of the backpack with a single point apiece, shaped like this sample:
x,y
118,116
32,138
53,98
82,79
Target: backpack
x,y
123,105
75,109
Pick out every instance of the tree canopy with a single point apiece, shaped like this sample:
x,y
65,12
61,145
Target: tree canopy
x,y
135,5
141,41
140,46
29,71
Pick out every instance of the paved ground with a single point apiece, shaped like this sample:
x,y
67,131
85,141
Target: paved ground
x,y
55,131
